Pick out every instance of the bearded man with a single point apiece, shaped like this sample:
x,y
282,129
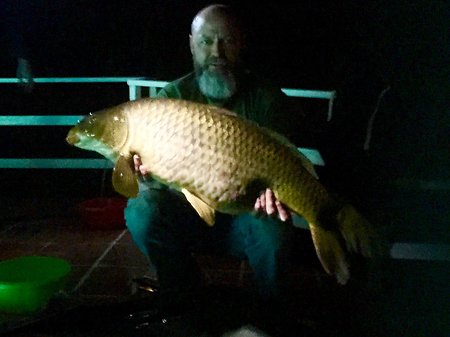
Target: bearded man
x,y
161,221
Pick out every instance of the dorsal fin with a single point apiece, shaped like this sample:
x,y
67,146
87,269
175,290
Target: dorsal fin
x,y
307,164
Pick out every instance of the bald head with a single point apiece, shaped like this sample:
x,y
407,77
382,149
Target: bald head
x,y
215,13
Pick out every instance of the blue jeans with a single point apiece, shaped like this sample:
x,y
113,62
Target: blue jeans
x,y
167,229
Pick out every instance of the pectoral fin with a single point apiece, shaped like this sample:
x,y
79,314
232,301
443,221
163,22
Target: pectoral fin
x,y
123,178
206,212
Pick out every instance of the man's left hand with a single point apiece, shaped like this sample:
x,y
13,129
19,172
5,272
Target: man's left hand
x,y
268,204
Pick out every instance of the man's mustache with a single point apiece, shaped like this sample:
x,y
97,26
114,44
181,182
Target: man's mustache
x,y
218,62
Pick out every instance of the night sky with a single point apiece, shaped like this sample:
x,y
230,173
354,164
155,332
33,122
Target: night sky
x,y
303,44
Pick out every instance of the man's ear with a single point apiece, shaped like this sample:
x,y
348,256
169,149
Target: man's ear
x,y
191,44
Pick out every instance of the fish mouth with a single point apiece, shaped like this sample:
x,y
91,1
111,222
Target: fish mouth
x,y
72,138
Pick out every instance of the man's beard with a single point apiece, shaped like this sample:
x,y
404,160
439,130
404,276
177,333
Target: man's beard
x,y
217,85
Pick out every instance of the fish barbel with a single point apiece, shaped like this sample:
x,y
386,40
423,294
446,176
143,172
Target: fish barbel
x,y
221,162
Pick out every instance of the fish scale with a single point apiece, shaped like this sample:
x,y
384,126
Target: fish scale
x,y
204,135
221,162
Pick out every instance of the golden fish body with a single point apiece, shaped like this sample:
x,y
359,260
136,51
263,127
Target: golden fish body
x,y
221,162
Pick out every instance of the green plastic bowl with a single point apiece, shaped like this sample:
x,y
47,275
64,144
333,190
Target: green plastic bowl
x,y
27,283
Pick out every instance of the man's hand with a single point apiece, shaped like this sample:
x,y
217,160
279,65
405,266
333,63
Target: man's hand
x,y
268,204
138,167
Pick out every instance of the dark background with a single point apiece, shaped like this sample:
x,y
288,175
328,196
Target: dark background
x,y
357,48
307,43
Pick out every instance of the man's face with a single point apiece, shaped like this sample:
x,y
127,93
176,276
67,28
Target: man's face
x,y
215,45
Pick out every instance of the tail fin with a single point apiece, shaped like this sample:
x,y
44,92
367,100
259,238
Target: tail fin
x,y
357,232
330,251
354,234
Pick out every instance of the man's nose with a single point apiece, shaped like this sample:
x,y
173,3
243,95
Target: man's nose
x,y
217,48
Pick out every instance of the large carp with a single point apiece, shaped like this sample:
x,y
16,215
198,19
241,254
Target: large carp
x,y
221,162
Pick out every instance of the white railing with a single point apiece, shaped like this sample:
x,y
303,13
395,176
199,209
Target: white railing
x,y
73,80
135,85
54,120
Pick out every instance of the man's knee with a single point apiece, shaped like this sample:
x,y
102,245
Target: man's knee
x,y
269,233
162,220
142,217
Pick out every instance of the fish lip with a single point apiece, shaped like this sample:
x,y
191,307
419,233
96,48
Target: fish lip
x,y
72,138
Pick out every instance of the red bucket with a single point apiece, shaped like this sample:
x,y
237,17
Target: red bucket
x,y
103,213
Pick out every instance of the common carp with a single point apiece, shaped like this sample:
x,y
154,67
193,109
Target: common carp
x,y
221,162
